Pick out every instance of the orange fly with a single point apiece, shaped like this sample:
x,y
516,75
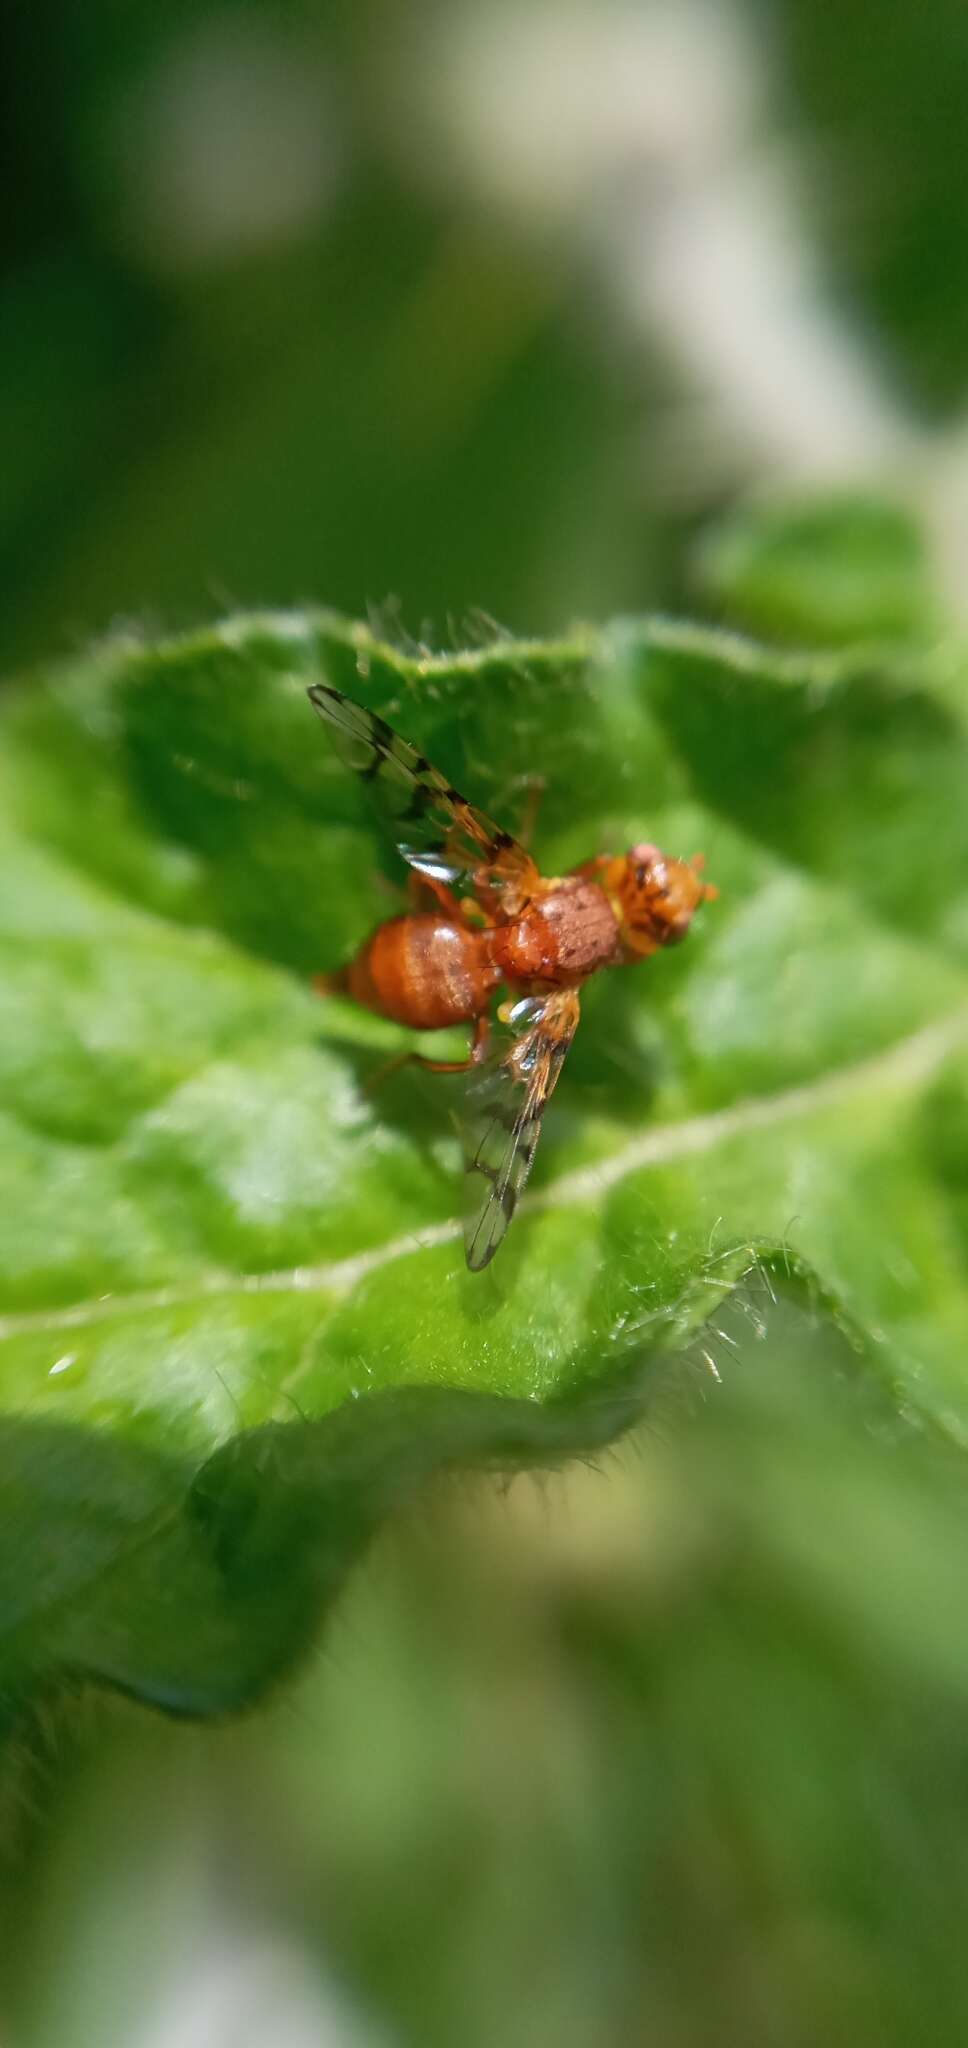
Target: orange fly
x,y
484,917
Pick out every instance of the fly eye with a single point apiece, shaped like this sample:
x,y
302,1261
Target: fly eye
x,y
640,877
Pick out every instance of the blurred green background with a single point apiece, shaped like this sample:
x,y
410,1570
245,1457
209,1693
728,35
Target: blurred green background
x,y
443,309
459,314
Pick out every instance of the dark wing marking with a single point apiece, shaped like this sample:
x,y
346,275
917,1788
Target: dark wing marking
x,y
435,829
505,1102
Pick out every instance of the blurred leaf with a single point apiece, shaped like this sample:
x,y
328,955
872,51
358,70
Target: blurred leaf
x,y
395,369
835,569
223,1346
714,1692
882,116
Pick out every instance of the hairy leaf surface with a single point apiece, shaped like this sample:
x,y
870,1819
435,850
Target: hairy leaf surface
x,y
235,1321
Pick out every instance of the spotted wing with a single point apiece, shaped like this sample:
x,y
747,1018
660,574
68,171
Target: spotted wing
x,y
435,829
504,1105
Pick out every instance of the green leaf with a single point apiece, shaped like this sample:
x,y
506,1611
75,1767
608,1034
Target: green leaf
x,y
838,568
235,1323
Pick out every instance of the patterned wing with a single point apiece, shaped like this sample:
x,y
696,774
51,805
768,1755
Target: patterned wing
x,y
505,1102
435,829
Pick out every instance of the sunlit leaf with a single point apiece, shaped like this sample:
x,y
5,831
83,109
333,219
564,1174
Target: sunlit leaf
x,y
235,1322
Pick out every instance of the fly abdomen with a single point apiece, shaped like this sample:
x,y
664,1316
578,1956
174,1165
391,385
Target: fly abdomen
x,y
423,970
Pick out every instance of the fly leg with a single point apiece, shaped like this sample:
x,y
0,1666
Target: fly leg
x,y
478,1052
424,890
421,887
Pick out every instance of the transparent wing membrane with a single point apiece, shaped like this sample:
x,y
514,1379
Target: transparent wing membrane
x,y
437,832
505,1101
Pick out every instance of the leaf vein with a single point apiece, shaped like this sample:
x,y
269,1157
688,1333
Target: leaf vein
x,y
907,1065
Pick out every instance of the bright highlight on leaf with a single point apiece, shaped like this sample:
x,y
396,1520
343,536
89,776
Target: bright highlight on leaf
x,y
235,1322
